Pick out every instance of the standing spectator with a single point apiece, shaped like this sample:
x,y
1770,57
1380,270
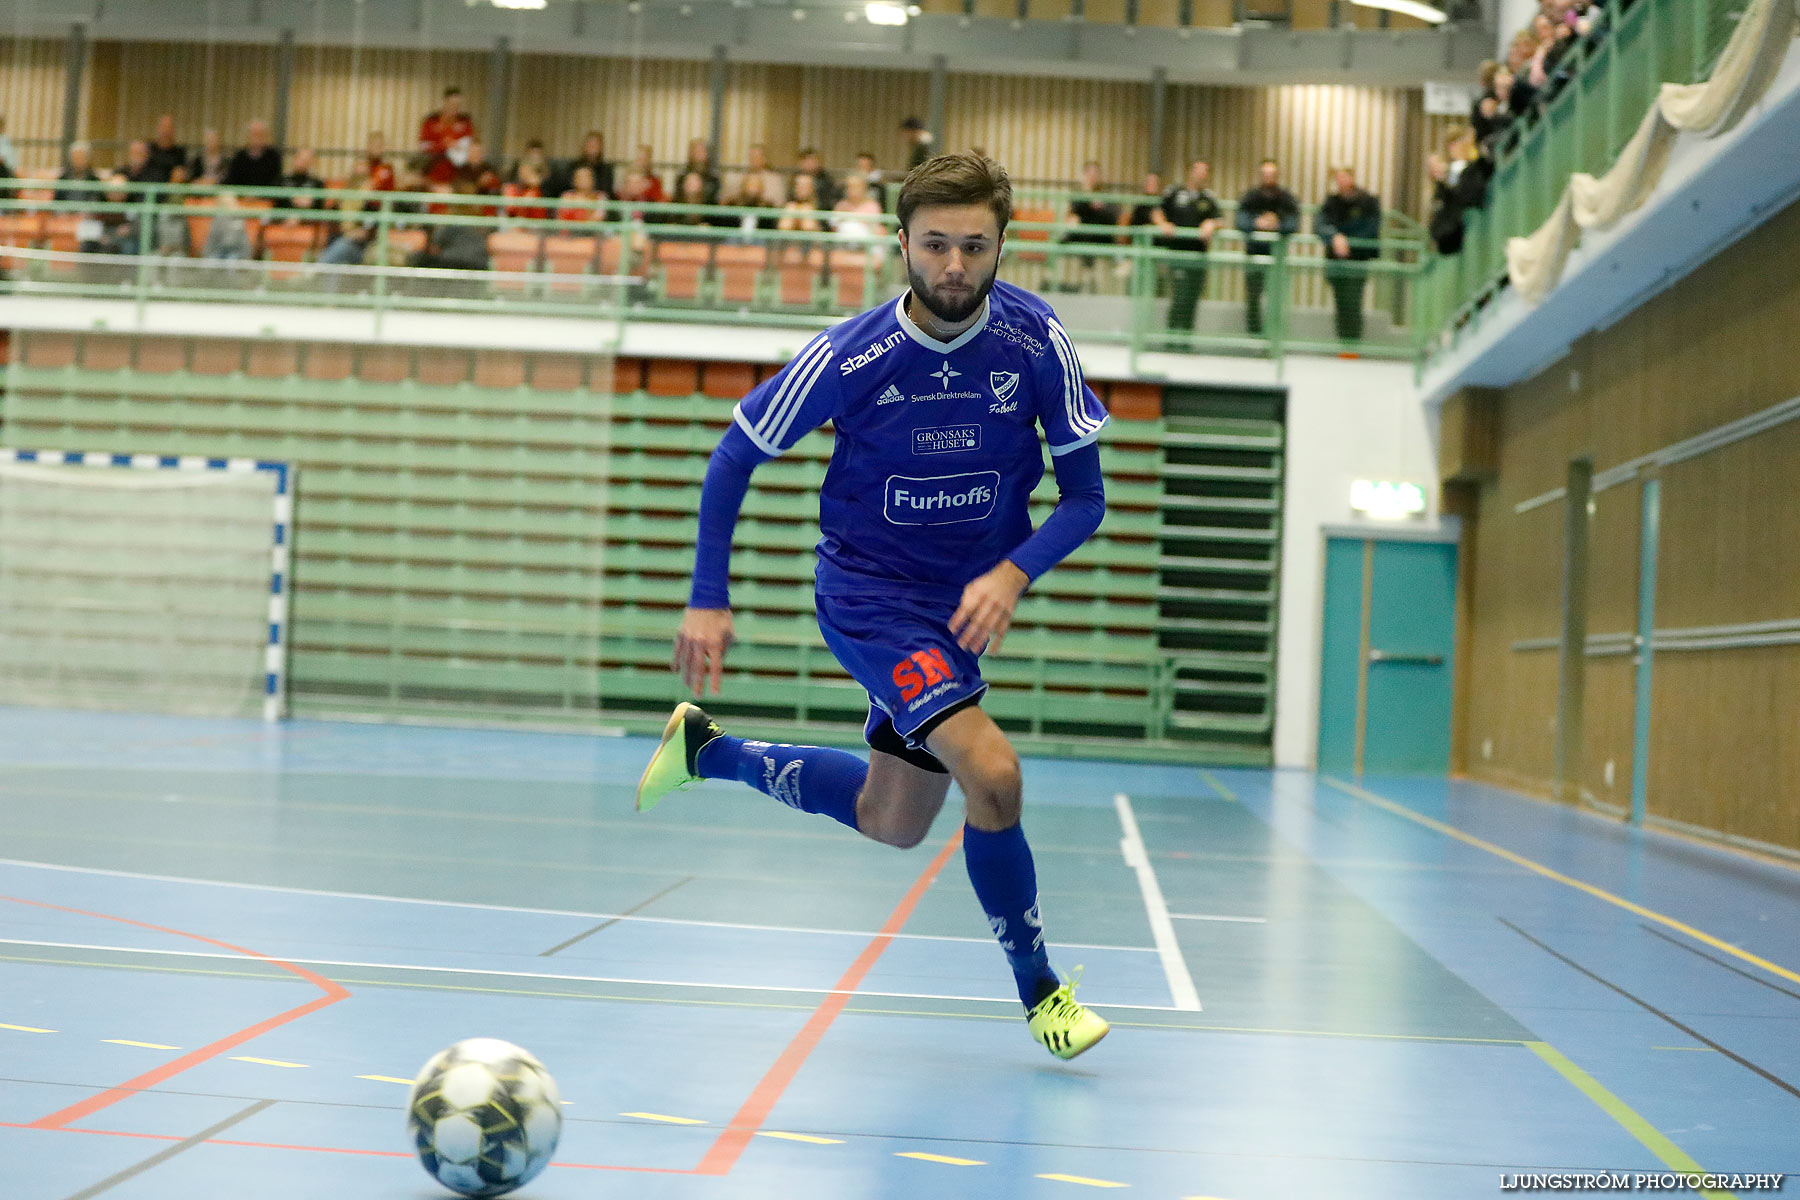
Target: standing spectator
x,y
1193,208
699,162
1267,214
1349,223
593,157
165,152
78,169
772,187
653,188
377,172
825,188
1459,182
1143,214
258,164
210,162
918,140
444,137
138,166
1086,210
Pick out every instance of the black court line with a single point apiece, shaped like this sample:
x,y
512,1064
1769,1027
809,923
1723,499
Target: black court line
x,y
611,921
1733,1055
163,1156
1676,942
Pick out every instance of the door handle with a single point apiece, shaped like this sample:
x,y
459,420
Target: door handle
x,y
1422,660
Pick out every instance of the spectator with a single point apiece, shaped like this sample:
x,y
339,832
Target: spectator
x,y
444,138
78,169
478,174
699,162
691,189
865,166
918,139
1459,183
377,173
584,191
750,194
534,158
258,164
1188,207
228,236
593,157
351,243
528,183
803,199
1267,214
461,247
1349,223
825,188
862,213
1086,210
9,155
209,164
773,188
171,223
138,167
165,152
300,175
112,230
653,188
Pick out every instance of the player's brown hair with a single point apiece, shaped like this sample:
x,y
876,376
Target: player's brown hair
x,y
956,179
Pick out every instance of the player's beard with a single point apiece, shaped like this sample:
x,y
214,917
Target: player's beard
x,y
950,309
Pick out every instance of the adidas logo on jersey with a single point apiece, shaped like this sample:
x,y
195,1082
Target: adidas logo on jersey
x,y
891,396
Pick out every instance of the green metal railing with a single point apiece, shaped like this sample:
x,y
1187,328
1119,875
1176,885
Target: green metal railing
x,y
648,263
1647,43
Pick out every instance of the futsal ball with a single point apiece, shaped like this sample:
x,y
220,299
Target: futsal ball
x,y
484,1116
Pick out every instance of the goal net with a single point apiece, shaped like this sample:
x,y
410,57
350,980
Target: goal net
x,y
143,583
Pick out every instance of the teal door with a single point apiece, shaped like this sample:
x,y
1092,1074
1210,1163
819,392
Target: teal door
x,y
1385,657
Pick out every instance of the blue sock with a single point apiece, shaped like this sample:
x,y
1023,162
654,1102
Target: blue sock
x,y
1005,882
812,779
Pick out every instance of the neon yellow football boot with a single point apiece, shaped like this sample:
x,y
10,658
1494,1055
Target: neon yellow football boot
x,y
674,765
1064,1025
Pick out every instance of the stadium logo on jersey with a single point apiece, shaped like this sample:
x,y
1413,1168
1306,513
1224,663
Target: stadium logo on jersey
x,y
942,500
891,396
945,374
920,670
1018,337
1004,383
946,439
875,351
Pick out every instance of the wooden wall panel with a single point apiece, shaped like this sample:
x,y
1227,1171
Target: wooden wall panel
x,y
1517,577
1045,129
1608,711
205,86
845,110
31,97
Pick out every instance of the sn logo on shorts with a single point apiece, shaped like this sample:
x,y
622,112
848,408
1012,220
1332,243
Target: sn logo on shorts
x,y
919,670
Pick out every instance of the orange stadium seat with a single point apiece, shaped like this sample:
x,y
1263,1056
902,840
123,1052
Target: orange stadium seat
x,y
852,278
18,229
198,226
514,251
739,268
566,255
682,265
287,243
798,277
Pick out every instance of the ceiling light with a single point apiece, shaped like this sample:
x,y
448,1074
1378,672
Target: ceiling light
x,y
1387,501
1408,8
881,12
521,4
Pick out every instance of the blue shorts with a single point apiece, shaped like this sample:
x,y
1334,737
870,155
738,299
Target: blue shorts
x,y
901,650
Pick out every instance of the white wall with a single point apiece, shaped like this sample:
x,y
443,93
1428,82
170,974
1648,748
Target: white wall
x,y
1514,15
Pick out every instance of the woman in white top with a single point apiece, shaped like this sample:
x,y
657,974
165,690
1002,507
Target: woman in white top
x,y
862,215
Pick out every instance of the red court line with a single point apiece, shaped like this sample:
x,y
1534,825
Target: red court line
x,y
731,1143
149,1079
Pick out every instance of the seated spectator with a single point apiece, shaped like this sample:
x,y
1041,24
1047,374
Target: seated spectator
x,y
444,137
78,169
111,230
527,184
171,239
538,161
802,199
653,188
593,157
1349,223
208,165
750,194
583,190
165,152
858,206
772,187
228,237
461,247
477,176
865,166
138,167
699,162
377,174
1267,215
825,188
351,243
258,164
692,190
300,175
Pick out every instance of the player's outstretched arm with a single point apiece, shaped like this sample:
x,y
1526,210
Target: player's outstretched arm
x,y
700,645
986,611
706,630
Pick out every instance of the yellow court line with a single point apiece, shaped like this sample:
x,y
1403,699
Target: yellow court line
x,y
26,1029
1213,783
1598,893
266,1062
387,1079
1085,1181
800,1137
666,1119
142,1045
1652,1138
939,1158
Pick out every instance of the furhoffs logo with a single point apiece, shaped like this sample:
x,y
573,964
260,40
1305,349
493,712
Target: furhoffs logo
x,y
941,500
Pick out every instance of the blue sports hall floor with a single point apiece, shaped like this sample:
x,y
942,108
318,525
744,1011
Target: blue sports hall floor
x,y
225,948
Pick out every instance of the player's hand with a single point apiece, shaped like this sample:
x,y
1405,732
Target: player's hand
x,y
700,646
986,611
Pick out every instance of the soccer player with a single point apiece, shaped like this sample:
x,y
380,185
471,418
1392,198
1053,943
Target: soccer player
x,y
926,547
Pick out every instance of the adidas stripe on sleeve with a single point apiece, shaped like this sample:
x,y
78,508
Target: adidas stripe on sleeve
x,y
1072,416
793,402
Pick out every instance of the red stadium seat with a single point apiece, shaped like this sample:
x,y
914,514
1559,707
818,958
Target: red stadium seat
x,y
739,269
681,266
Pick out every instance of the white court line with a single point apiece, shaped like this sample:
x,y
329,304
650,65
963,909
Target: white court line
x,y
864,934
1212,917
681,983
1181,984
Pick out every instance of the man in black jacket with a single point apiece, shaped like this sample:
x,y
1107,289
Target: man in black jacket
x,y
1349,223
1188,216
1267,214
258,164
